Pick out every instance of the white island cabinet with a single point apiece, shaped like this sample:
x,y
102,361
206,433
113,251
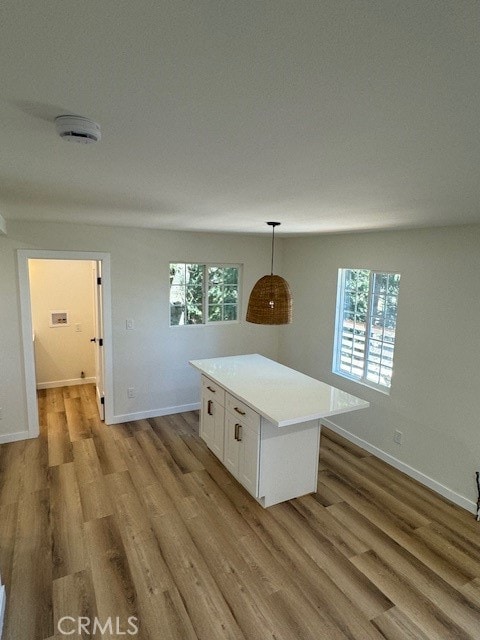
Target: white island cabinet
x,y
262,420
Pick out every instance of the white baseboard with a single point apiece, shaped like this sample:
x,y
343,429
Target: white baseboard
x,y
13,437
65,383
451,495
155,413
3,602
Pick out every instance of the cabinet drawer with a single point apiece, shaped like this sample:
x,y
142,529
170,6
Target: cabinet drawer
x,y
242,412
213,391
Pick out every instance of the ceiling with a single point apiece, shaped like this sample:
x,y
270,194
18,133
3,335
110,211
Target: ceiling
x,y
331,115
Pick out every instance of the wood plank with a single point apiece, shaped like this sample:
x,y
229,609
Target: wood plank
x,y
439,509
59,444
115,593
325,495
88,401
396,625
36,475
388,503
184,458
463,554
257,616
210,614
11,471
54,400
95,499
87,464
29,607
67,521
471,591
8,526
163,465
433,620
321,520
417,497
315,584
78,423
159,602
370,600
74,596
330,436
109,456
381,535
137,463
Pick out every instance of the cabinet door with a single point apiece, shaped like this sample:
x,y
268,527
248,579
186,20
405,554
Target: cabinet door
x,y
231,445
212,426
248,462
242,446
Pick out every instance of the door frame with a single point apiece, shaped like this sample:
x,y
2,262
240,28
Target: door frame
x,y
23,256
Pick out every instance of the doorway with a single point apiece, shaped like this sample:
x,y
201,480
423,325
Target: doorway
x,y
59,319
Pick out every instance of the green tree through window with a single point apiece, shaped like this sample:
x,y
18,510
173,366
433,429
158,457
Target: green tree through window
x,y
202,293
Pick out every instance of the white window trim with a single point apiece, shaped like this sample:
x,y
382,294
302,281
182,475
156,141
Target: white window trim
x,y
339,328
209,323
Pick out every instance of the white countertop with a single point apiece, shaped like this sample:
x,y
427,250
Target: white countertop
x,y
281,395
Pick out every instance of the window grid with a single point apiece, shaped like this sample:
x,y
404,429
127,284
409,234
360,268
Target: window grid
x,y
198,293
365,337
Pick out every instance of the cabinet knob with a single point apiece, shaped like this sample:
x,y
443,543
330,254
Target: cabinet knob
x,y
209,408
211,389
242,413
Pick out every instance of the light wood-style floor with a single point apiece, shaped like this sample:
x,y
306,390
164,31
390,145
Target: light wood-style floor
x,y
141,520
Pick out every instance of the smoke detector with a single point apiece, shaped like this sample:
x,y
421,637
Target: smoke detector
x,y
77,129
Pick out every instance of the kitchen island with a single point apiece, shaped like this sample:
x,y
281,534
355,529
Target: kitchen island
x,y
262,420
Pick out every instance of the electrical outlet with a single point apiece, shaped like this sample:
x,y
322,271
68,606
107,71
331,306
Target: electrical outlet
x,y
130,324
398,436
131,392
78,327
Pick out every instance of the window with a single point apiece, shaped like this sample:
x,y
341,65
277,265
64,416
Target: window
x,y
203,294
365,326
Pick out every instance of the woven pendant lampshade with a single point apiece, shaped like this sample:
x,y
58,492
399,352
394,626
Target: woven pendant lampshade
x,y
270,301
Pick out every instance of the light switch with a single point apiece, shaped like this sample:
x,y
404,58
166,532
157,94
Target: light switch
x,y
78,327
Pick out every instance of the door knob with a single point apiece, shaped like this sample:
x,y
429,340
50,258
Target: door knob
x,y
93,339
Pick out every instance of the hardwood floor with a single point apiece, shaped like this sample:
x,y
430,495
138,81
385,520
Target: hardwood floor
x,y
141,520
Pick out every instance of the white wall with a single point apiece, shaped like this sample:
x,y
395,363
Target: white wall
x,y
154,357
436,379
62,352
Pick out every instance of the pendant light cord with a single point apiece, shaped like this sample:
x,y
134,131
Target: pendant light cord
x,y
273,248
273,225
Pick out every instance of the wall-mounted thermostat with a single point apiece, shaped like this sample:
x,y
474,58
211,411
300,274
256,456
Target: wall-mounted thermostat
x,y
59,318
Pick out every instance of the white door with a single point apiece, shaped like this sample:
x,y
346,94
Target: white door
x,y
98,339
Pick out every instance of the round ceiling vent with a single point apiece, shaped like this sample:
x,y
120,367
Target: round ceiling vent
x,y
77,129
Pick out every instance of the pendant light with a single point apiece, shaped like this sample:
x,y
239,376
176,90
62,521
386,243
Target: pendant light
x,y
270,301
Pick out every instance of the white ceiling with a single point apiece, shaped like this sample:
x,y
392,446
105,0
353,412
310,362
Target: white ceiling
x,y
326,115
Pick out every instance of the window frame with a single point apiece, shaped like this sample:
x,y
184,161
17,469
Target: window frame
x,y
205,293
339,321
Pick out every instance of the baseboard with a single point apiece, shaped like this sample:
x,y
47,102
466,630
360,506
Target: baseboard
x,y
65,383
3,602
155,413
13,437
432,484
